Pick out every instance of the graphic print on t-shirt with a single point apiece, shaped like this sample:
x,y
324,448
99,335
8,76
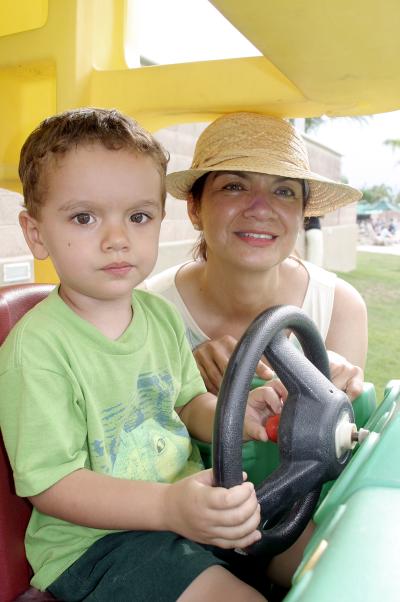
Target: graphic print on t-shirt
x,y
144,439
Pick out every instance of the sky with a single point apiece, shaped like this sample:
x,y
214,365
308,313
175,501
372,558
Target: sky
x,y
366,161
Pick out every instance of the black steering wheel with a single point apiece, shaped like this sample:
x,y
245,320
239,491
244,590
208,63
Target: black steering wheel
x,y
308,423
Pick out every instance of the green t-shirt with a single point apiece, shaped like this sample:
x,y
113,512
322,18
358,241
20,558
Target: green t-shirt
x,y
72,398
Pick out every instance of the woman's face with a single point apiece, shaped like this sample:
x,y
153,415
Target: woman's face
x,y
249,219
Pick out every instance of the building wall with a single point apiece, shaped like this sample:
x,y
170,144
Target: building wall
x,y
339,228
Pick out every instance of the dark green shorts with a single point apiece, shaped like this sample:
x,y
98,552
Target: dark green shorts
x,y
141,566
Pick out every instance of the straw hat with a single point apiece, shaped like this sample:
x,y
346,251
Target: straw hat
x,y
261,144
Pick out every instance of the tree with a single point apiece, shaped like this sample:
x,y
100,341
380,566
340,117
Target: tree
x,y
378,192
393,143
313,123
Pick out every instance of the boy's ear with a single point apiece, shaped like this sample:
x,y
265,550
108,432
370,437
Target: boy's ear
x,y
31,230
193,213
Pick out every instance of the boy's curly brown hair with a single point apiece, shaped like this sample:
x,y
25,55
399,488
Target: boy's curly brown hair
x,y
60,133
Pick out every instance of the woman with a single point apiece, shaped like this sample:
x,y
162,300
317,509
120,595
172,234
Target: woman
x,y
248,191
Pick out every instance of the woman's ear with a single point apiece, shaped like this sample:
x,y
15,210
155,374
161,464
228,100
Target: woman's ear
x,y
193,213
31,229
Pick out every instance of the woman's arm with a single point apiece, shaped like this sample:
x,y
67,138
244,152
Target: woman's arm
x,y
348,330
347,339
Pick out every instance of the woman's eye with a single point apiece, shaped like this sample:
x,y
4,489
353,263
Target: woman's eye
x,y
286,192
83,219
235,186
140,218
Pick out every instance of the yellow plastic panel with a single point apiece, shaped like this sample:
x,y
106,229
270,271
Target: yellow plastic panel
x,y
30,98
45,272
343,55
22,15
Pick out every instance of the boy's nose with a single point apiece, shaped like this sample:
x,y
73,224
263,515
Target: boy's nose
x,y
115,238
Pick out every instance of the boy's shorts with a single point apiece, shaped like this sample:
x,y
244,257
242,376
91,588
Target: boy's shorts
x,y
143,566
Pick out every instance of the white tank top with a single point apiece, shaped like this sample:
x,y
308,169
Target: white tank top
x,y
317,304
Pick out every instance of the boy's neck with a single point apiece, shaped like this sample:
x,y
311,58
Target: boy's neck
x,y
110,317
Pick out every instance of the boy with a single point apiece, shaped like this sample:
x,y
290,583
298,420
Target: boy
x,y
99,390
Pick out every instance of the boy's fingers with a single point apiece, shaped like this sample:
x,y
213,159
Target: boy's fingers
x,y
242,543
235,525
225,499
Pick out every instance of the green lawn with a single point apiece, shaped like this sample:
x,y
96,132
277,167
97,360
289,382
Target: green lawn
x,y
377,278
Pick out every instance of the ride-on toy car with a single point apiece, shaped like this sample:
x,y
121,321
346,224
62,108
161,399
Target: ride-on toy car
x,y
315,438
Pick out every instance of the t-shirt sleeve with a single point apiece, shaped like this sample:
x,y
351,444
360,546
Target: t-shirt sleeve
x,y
43,428
192,382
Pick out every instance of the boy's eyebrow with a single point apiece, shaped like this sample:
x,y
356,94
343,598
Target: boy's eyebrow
x,y
83,205
69,205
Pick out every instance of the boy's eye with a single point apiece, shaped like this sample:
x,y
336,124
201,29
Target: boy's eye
x,y
83,219
140,218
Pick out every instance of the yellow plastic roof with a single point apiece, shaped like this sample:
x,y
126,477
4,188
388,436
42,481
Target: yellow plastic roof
x,y
342,56
334,57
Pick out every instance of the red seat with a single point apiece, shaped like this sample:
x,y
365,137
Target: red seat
x,y
15,572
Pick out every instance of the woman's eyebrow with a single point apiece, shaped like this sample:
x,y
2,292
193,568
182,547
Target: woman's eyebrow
x,y
248,174
288,179
240,174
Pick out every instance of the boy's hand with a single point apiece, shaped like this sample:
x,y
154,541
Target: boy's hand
x,y
262,403
227,518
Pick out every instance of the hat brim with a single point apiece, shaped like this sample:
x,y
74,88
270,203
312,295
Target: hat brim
x,y
325,195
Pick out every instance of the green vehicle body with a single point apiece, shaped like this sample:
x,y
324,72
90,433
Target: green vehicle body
x,y
354,553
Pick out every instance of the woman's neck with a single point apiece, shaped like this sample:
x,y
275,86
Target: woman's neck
x,y
223,301
239,293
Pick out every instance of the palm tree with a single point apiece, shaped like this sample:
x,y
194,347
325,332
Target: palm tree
x,y
313,123
393,143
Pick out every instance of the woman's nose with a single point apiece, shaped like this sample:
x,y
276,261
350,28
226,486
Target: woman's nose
x,y
115,238
260,204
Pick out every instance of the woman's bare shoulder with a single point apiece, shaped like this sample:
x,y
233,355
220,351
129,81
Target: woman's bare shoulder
x,y
294,279
347,297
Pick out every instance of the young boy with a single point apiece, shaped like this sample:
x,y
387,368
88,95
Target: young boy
x,y
99,390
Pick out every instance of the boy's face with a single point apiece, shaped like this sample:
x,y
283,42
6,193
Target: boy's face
x,y
99,222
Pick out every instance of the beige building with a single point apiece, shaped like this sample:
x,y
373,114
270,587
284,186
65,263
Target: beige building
x,y
177,235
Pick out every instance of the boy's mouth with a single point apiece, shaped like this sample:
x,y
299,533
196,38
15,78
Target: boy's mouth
x,y
118,269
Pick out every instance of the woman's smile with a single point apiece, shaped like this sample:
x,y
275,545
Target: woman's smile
x,y
256,239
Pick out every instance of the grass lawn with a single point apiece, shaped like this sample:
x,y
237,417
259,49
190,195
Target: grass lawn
x,y
377,278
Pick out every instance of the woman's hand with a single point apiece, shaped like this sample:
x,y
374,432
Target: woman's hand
x,y
227,518
345,376
212,357
262,403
